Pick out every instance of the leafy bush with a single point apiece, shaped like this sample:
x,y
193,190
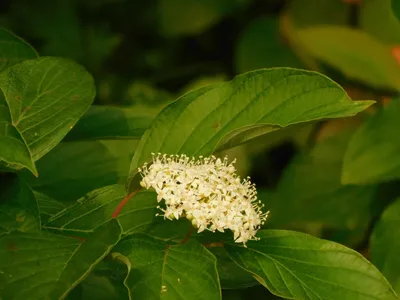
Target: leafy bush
x,y
305,97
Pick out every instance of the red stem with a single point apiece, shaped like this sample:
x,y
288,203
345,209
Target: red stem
x,y
123,203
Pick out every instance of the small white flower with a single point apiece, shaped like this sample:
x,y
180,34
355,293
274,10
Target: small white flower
x,y
206,191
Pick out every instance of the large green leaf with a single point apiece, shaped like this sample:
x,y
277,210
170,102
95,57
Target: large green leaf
x,y
385,244
18,209
14,153
246,107
13,50
372,152
295,265
46,266
162,271
353,52
310,190
46,97
378,19
396,8
98,206
261,46
73,169
181,17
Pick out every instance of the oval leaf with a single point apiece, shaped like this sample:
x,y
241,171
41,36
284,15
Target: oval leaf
x,y
353,52
370,153
46,97
385,244
162,271
295,265
197,122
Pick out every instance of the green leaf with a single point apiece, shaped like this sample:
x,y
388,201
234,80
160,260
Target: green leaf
x,y
371,154
19,209
104,122
385,244
261,46
14,152
396,8
196,123
310,190
230,275
353,52
377,18
182,17
13,50
47,206
73,169
46,97
295,265
50,266
162,271
97,208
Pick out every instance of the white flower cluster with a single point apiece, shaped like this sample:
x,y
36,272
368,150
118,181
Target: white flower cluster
x,y
206,191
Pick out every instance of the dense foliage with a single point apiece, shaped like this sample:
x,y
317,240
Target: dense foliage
x,y
304,94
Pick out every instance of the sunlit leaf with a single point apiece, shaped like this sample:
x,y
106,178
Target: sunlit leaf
x,y
46,97
248,106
